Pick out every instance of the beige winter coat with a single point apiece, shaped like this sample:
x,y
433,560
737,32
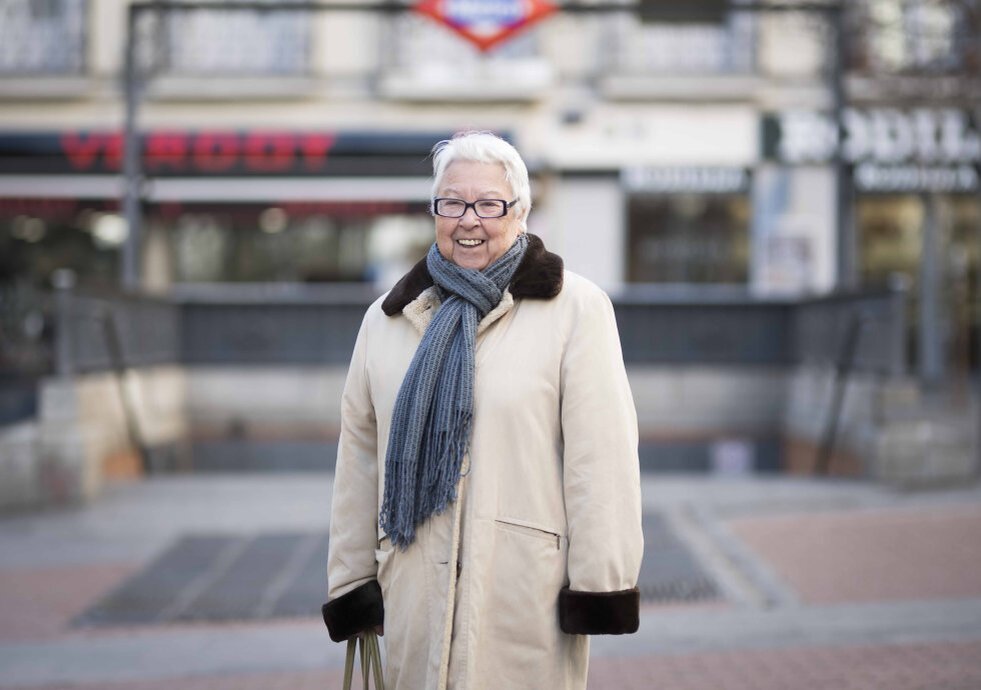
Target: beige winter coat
x,y
543,545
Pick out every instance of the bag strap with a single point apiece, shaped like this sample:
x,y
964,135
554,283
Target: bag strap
x,y
370,657
374,657
349,663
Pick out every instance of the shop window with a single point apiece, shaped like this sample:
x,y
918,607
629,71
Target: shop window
x,y
41,236
308,242
890,232
964,281
689,238
914,35
890,239
42,37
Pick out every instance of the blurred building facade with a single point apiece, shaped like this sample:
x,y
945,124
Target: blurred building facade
x,y
699,154
290,146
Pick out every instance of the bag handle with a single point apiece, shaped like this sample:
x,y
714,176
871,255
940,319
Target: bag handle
x,y
371,667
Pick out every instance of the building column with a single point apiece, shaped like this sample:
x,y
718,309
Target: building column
x,y
930,360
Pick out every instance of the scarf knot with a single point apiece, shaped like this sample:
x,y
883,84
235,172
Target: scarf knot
x,y
433,413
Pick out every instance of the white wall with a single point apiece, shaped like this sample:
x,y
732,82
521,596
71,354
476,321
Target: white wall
x,y
19,476
795,241
81,424
587,228
294,400
705,400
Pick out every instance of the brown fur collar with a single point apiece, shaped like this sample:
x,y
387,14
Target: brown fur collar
x,y
539,276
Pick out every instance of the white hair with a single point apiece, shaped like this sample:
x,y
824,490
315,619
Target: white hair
x,y
486,147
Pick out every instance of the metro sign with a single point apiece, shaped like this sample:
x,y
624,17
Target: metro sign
x,y
486,23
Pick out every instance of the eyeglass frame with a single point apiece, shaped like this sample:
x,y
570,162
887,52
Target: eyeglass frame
x,y
473,205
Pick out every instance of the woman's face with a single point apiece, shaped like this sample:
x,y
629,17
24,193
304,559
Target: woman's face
x,y
471,241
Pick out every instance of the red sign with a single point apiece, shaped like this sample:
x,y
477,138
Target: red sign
x,y
486,23
229,153
207,152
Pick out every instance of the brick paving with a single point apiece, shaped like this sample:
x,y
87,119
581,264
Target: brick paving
x,y
937,666
872,555
311,680
39,603
887,592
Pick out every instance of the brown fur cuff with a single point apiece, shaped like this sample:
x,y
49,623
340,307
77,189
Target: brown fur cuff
x,y
360,609
599,613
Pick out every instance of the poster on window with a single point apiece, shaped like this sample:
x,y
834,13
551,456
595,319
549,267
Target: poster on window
x,y
788,265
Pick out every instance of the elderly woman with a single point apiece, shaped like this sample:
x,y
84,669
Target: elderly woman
x,y
486,502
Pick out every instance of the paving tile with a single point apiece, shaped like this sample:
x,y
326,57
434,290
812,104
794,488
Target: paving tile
x,y
239,589
877,574
943,665
670,571
38,603
217,578
305,680
150,596
937,666
871,555
282,574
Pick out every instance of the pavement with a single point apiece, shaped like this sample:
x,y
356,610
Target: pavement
x,y
819,584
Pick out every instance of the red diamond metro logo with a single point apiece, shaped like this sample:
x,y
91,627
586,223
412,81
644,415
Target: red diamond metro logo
x,y
486,23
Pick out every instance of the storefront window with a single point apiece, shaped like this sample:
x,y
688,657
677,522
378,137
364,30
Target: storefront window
x,y
689,238
890,231
41,236
964,261
904,35
44,241
306,242
890,239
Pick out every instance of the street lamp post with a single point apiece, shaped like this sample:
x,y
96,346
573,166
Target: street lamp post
x,y
845,237
132,161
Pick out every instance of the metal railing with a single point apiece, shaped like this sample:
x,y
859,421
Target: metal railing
x,y
317,326
263,39
42,37
101,332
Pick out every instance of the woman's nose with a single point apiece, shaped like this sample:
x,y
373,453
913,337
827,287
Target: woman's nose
x,y
470,217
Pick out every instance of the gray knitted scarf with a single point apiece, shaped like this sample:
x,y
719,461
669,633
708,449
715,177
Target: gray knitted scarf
x,y
433,412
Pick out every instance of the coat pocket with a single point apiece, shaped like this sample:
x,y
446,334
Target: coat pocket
x,y
530,530
523,569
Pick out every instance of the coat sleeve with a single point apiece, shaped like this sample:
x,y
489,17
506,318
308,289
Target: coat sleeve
x,y
354,598
601,475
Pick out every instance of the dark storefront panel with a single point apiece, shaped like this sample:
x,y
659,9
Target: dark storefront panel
x,y
890,230
304,242
40,236
688,238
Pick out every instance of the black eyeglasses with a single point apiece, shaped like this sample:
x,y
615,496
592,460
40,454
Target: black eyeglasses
x,y
484,208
